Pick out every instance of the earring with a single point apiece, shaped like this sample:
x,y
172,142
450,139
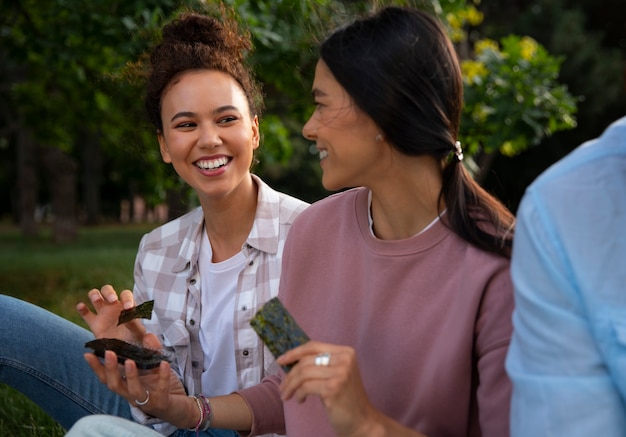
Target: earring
x,y
379,138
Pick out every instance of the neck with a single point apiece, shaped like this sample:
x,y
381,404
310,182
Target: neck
x,y
228,220
407,200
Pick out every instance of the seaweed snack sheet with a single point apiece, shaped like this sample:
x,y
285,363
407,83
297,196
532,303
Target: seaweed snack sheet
x,y
143,311
278,329
145,358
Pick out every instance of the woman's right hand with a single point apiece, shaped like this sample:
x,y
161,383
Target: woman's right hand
x,y
103,321
158,392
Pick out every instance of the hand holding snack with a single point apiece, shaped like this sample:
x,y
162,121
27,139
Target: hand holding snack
x,y
157,392
144,357
325,370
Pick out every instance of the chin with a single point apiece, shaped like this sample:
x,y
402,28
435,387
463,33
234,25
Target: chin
x,y
331,186
327,185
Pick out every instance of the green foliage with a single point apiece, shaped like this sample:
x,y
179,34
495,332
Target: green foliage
x,y
68,60
593,71
66,74
458,15
512,96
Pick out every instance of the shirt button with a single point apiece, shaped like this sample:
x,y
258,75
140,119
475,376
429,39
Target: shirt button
x,y
192,322
246,353
194,364
243,308
250,263
192,281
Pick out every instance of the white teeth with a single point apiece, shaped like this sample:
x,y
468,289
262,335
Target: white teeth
x,y
323,154
213,164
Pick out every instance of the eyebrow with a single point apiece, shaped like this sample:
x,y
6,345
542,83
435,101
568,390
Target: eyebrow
x,y
181,115
215,112
316,92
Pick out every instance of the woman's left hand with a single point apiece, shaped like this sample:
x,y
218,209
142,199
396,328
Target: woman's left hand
x,y
338,383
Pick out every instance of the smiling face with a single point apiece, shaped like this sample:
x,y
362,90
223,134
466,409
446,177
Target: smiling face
x,y
345,136
209,135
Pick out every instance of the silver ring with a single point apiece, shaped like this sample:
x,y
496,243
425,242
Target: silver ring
x,y
322,359
144,402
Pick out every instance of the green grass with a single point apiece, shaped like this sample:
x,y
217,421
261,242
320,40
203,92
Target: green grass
x,y
57,277
19,417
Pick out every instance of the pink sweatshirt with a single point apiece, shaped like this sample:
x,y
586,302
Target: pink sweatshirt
x,y
429,317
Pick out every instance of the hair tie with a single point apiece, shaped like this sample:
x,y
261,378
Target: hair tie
x,y
458,151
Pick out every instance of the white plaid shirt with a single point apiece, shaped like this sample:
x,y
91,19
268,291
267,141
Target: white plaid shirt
x,y
166,270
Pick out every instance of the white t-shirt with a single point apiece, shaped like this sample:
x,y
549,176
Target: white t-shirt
x,y
371,220
217,335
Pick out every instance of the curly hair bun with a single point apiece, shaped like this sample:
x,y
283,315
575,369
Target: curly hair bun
x,y
194,28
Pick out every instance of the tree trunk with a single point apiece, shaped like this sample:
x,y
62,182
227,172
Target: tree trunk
x,y
27,183
91,164
61,170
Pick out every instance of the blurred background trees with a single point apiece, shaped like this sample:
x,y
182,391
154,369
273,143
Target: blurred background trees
x,y
590,37
541,76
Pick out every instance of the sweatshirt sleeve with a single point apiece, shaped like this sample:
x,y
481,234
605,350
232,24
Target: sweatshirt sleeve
x,y
266,406
493,334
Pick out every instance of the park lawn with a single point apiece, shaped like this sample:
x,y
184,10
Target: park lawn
x,y
57,277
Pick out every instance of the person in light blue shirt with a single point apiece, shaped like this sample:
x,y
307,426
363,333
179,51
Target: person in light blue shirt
x,y
567,358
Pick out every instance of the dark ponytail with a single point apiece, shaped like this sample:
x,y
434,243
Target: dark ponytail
x,y
400,67
474,214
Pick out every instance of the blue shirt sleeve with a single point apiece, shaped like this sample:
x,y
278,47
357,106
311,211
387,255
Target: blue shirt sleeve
x,y
567,358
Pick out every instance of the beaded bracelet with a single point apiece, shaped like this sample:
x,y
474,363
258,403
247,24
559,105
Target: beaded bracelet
x,y
208,412
206,415
200,407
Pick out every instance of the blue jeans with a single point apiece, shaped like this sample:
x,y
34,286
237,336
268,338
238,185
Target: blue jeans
x,y
41,355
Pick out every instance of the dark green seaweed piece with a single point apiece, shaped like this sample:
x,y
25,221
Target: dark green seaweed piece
x,y
144,358
143,311
278,329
